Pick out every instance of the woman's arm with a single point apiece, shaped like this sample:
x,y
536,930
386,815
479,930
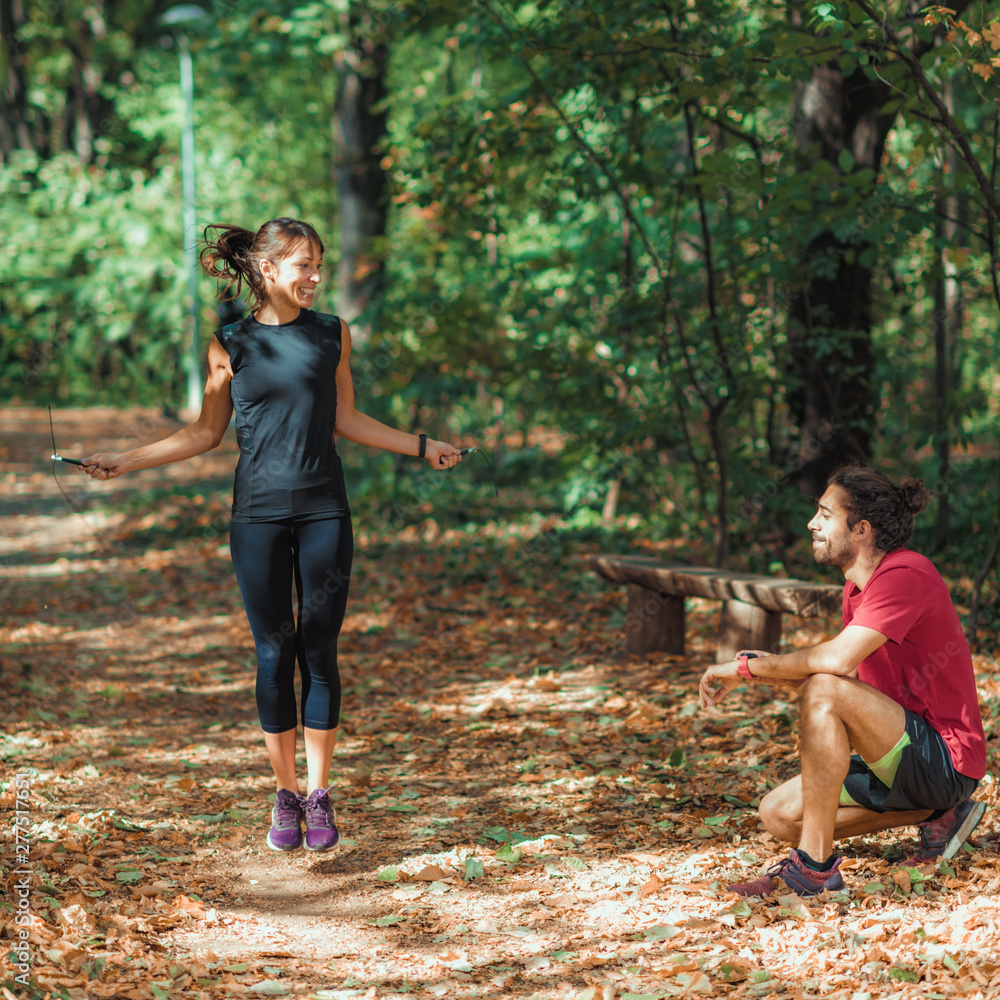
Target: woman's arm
x,y
362,429
201,436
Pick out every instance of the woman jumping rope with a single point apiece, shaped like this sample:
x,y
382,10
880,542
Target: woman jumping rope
x,y
285,370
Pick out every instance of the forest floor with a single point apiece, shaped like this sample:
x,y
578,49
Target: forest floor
x,y
526,810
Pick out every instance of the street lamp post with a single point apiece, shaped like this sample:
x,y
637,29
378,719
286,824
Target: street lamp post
x,y
177,17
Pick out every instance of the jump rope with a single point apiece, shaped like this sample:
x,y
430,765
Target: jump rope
x,y
55,457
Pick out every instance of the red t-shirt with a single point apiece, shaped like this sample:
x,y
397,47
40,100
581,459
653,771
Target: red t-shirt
x,y
926,665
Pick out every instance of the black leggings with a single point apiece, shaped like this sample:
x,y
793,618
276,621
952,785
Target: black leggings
x,y
317,555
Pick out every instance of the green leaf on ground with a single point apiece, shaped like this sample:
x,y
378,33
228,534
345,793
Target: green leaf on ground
x,y
661,932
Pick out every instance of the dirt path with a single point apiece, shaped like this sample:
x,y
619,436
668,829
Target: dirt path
x,y
526,811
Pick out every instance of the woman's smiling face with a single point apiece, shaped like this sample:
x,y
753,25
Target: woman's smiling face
x,y
292,280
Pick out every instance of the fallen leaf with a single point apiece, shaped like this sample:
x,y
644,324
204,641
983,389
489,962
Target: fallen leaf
x,y
562,900
429,873
651,885
152,889
270,988
548,683
191,906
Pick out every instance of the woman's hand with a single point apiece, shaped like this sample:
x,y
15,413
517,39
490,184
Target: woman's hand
x,y
104,465
442,455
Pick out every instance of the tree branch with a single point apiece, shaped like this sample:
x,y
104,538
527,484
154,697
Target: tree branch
x,y
587,149
954,130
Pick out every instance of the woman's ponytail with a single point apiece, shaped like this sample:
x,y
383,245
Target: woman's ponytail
x,y
230,259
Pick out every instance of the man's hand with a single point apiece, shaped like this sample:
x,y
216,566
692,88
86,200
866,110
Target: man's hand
x,y
717,682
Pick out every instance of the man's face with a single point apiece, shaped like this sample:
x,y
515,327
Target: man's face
x,y
834,543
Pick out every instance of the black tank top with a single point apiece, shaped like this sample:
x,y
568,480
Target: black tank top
x,y
284,393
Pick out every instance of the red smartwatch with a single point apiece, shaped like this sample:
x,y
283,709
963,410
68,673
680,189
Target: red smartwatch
x,y
743,666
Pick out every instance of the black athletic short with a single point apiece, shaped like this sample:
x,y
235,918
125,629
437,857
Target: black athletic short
x,y
925,777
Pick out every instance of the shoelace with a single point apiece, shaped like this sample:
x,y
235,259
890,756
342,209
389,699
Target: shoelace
x,y
779,867
318,811
778,870
288,812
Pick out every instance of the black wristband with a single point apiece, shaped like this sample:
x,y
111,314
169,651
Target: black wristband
x,y
423,445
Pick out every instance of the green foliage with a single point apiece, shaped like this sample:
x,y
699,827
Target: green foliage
x,y
601,215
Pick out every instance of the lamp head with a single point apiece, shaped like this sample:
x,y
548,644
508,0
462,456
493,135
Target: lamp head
x,y
183,14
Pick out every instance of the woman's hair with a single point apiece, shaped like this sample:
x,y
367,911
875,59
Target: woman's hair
x,y
875,498
235,255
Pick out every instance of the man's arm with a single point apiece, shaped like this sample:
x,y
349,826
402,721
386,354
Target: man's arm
x,y
840,655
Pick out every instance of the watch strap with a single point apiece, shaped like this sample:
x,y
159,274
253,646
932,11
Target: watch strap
x,y
743,666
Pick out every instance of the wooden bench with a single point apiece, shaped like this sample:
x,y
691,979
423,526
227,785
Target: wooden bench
x,y
751,605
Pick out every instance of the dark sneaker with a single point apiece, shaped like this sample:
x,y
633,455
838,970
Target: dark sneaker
x,y
796,875
286,822
943,837
321,821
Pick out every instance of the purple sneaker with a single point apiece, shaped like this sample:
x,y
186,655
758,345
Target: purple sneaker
x,y
321,821
286,822
944,836
796,875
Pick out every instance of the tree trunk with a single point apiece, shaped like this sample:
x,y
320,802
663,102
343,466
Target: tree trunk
x,y
359,124
829,323
948,332
86,113
16,131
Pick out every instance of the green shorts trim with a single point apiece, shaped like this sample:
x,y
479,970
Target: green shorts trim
x,y
916,774
884,768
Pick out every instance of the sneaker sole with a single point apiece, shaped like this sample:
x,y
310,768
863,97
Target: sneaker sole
x,y
327,847
285,850
809,890
961,835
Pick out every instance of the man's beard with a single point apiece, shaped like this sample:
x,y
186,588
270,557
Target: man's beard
x,y
839,554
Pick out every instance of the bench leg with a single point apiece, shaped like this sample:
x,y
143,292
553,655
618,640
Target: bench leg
x,y
654,622
746,626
